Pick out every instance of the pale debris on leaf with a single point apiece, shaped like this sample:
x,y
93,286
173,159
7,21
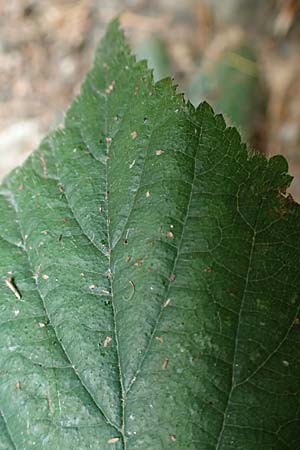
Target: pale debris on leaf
x,y
113,440
165,363
107,341
110,88
169,234
167,302
10,284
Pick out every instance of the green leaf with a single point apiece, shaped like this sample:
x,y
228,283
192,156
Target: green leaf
x,y
149,289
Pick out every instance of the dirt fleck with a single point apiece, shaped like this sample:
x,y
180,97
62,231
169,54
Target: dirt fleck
x,y
165,363
133,135
138,262
110,88
208,269
113,440
107,341
232,292
296,322
159,152
11,285
128,258
172,437
167,302
18,385
169,234
160,339
172,277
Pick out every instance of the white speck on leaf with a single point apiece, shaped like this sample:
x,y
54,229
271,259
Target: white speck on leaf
x,y
107,341
167,302
110,88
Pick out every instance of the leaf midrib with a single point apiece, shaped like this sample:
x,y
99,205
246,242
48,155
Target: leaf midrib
x,y
110,278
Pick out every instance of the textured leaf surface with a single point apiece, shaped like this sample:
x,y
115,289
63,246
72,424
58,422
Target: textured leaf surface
x,y
157,264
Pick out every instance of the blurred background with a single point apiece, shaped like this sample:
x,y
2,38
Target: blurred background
x,y
243,56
